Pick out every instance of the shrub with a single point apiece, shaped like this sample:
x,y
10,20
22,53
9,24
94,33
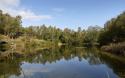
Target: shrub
x,y
117,48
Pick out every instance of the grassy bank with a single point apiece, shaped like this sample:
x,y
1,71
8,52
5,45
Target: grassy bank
x,y
23,46
115,48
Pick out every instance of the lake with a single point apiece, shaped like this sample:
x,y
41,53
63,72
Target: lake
x,y
65,62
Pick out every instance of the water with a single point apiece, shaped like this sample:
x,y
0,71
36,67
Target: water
x,y
66,62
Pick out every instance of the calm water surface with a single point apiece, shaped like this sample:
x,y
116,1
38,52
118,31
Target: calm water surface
x,y
64,63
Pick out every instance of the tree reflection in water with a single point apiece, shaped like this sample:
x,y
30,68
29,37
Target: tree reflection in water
x,y
11,68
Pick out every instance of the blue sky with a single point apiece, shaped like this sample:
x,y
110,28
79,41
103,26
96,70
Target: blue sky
x,y
64,13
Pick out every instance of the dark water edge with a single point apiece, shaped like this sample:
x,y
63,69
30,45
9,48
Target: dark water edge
x,y
65,62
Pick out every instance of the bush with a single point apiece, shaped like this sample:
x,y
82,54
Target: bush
x,y
117,48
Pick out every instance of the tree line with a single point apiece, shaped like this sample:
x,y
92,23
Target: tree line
x,y
112,32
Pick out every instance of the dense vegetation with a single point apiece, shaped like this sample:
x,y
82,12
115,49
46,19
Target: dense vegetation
x,y
112,33
112,36
11,27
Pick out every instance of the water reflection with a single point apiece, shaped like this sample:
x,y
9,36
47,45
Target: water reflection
x,y
9,68
2,48
64,62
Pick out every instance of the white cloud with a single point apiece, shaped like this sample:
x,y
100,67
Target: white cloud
x,y
9,2
27,14
13,7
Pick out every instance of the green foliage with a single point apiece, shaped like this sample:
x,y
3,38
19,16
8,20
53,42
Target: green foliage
x,y
91,35
54,34
114,31
10,26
